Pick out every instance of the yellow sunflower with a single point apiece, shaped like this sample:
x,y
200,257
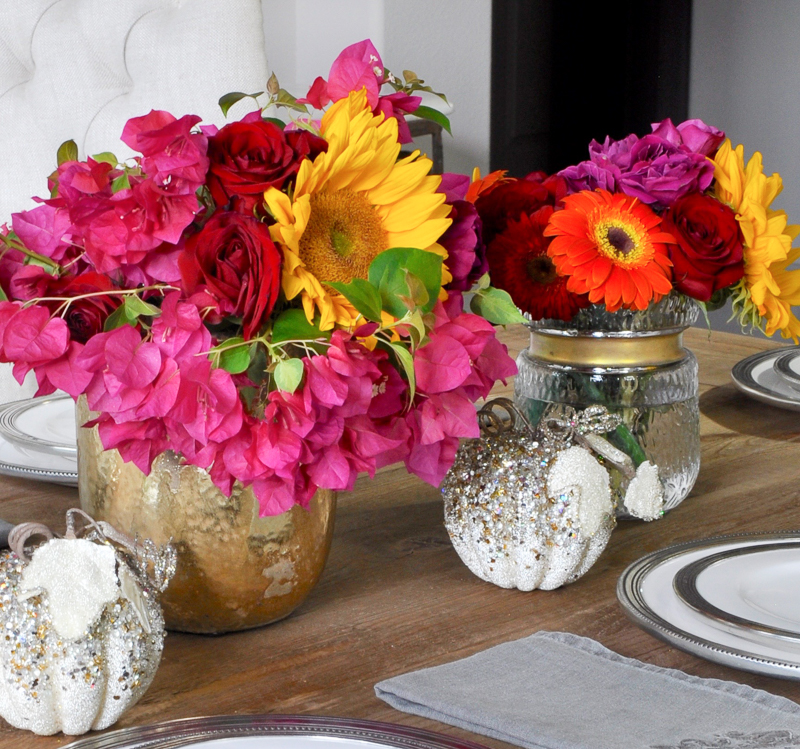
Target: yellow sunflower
x,y
768,290
351,203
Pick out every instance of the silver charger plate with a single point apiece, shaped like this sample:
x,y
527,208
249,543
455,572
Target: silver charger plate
x,y
45,424
752,587
272,732
27,460
647,594
787,365
756,377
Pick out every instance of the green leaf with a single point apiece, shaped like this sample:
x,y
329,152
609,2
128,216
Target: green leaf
x,y
234,355
389,272
410,76
3,297
363,296
121,183
41,262
285,99
137,307
275,121
484,282
434,115
227,101
106,158
416,325
288,374
496,306
67,151
407,363
292,325
117,319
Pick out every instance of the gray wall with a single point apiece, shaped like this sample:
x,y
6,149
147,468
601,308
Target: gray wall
x,y
745,79
446,42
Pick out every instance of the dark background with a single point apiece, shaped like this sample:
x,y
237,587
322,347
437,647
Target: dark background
x,y
562,76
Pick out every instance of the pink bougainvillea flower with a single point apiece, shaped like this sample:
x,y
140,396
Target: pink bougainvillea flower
x,y
32,337
360,66
397,105
357,66
171,150
43,229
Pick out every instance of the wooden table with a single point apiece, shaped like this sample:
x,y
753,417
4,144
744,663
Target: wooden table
x,y
395,596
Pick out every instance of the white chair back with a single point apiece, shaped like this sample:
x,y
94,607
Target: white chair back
x,y
79,69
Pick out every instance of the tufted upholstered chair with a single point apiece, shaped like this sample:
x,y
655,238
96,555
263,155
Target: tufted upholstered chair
x,y
80,68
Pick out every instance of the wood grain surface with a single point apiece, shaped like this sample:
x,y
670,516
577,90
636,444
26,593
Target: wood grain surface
x,y
395,596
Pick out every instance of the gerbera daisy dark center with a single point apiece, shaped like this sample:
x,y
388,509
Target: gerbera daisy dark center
x,y
342,237
541,270
620,241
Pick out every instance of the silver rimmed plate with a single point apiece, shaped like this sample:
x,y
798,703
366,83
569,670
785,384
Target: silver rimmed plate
x,y
23,458
45,424
750,587
787,365
272,732
646,590
757,377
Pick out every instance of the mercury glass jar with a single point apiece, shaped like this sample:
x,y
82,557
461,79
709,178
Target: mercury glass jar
x,y
634,363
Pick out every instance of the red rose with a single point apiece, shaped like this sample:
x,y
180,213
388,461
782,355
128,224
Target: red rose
x,y
708,253
235,259
508,200
249,156
85,315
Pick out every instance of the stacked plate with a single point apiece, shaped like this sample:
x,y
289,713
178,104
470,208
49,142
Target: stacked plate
x,y
771,376
37,439
732,600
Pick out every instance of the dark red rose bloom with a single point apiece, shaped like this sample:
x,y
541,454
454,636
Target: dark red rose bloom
x,y
508,200
251,155
518,263
708,255
85,316
235,260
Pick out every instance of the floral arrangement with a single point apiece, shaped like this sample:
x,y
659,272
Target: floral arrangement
x,y
676,210
280,305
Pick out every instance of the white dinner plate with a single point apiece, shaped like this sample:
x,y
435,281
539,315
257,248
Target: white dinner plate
x,y
646,590
45,424
40,448
757,377
272,732
751,587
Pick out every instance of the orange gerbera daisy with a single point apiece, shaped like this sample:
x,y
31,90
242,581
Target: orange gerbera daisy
x,y
612,248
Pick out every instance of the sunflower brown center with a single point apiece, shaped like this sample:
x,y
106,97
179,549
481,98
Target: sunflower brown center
x,y
541,270
343,235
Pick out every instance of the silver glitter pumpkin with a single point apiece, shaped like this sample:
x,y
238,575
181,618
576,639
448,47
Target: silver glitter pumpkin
x,y
83,627
531,509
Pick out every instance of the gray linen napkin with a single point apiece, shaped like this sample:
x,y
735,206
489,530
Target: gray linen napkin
x,y
555,690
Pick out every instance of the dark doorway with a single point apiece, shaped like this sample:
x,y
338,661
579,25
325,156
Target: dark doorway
x,y
563,75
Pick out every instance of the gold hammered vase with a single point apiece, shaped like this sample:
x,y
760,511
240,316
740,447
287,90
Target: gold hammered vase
x,y
235,570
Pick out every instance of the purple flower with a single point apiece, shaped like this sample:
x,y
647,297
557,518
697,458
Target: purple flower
x,y
466,253
661,173
589,175
658,169
692,134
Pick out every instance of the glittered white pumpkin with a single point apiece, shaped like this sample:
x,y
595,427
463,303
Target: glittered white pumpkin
x,y
530,509
83,629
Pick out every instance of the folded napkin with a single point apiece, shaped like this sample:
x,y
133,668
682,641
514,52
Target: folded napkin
x,y
555,690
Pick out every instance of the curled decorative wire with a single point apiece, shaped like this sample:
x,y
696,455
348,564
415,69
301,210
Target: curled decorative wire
x,y
500,415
